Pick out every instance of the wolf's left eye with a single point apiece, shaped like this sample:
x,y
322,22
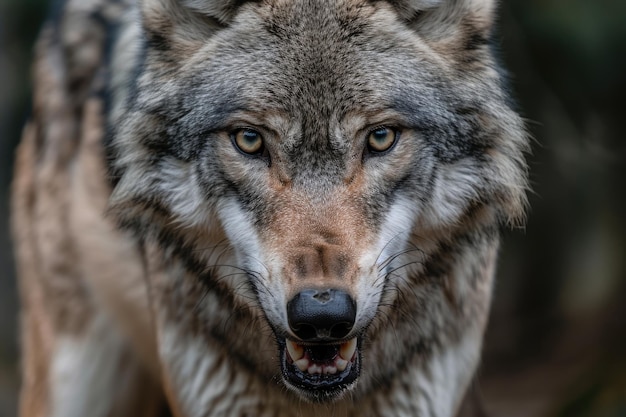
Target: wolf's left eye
x,y
381,139
248,141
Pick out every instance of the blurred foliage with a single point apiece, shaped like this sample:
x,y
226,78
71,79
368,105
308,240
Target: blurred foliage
x,y
20,21
557,340
556,345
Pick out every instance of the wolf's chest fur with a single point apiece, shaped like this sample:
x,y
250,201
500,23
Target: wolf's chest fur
x,y
262,208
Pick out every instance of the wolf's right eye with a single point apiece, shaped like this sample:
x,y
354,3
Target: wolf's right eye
x,y
248,141
381,139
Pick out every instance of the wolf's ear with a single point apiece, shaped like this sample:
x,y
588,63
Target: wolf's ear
x,y
440,19
184,22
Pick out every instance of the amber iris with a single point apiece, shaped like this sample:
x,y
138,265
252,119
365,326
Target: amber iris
x,y
381,139
248,141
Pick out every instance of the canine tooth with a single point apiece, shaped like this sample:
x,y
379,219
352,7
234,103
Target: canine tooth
x,y
341,364
295,351
302,364
315,369
347,349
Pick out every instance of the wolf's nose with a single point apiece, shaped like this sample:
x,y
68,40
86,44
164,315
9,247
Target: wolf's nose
x,y
321,315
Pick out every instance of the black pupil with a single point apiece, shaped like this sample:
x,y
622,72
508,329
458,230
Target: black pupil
x,y
381,134
250,137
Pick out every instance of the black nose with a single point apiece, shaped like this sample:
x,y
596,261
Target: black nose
x,y
321,315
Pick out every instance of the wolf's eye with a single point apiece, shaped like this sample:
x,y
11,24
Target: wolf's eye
x,y
248,141
381,140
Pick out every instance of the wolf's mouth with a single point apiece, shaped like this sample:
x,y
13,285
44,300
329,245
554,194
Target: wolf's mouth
x,y
320,371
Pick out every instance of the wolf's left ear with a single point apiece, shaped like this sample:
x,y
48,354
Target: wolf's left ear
x,y
448,18
184,22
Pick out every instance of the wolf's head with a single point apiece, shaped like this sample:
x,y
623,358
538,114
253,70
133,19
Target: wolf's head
x,y
352,154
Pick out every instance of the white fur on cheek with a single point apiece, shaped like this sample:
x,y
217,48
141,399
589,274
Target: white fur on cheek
x,y
244,240
239,229
249,251
184,196
456,186
395,232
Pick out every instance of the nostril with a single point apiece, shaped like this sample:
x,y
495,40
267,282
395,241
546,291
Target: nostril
x,y
323,296
340,330
304,331
321,314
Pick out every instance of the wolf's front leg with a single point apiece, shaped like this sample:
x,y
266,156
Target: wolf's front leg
x,y
88,374
76,360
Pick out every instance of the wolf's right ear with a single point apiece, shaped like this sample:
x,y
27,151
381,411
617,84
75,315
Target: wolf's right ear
x,y
180,23
440,19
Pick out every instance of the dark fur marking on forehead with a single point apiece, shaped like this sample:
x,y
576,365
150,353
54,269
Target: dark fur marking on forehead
x,y
450,127
182,124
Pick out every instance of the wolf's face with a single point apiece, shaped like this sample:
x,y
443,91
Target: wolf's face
x,y
335,145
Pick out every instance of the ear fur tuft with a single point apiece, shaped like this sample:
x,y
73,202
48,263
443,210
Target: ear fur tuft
x,y
442,18
409,9
223,10
185,21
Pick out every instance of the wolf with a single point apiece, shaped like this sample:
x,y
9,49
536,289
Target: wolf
x,y
262,208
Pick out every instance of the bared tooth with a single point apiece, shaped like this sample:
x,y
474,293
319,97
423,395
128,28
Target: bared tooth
x,y
341,364
346,351
315,369
332,370
295,351
302,364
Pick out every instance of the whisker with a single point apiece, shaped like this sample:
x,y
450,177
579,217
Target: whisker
x,y
385,246
387,273
393,257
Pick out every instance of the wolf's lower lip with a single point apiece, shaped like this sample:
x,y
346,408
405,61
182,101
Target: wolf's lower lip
x,y
322,369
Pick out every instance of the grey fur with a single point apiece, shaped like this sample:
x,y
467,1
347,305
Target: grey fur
x,y
228,238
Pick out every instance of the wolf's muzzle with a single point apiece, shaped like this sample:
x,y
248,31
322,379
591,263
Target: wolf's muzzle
x,y
322,363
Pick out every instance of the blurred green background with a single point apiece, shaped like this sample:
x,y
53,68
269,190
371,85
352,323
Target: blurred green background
x,y
556,344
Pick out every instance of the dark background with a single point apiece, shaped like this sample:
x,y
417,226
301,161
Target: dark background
x,y
556,345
